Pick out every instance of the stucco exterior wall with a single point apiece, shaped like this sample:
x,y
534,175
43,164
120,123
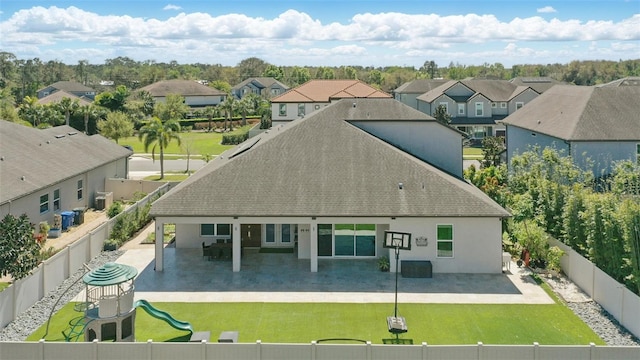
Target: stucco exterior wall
x,y
602,154
525,97
408,99
520,140
443,148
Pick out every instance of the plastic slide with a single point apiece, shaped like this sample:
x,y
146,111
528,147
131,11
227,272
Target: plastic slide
x,y
163,315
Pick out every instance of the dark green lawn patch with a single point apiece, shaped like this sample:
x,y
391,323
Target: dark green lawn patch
x,y
276,250
303,322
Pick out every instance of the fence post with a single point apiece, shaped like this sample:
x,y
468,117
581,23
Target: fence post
x,y
425,351
536,351
314,344
41,342
95,349
150,349
479,350
258,349
592,350
368,345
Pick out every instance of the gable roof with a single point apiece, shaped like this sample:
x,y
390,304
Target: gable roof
x,y
539,84
181,87
41,157
261,83
327,90
57,96
493,90
583,113
419,86
69,86
326,167
626,81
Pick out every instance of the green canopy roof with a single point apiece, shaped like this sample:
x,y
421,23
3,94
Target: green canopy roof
x,y
110,274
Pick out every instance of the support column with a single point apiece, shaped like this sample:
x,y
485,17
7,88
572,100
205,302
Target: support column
x,y
237,245
159,246
314,246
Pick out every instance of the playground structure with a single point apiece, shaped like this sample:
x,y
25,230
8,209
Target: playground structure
x,y
109,309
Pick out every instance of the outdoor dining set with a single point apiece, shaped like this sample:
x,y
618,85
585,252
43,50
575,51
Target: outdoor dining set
x,y
221,249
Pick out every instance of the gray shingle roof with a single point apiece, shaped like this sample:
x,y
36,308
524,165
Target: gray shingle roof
x,y
182,87
324,166
583,113
419,86
494,90
46,157
57,96
69,86
264,82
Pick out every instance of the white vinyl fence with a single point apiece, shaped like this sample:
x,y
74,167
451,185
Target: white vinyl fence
x,y
614,297
52,272
258,351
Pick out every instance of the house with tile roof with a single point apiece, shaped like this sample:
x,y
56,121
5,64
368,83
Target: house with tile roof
x,y
329,185
46,171
71,87
316,94
263,86
475,106
408,92
195,94
596,125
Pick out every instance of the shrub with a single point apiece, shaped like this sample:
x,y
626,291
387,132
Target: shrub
x,y
234,139
110,245
114,209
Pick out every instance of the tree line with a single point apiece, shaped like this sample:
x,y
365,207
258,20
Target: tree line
x,y
23,77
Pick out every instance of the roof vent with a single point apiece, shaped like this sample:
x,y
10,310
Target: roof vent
x,y
400,186
1,158
72,133
59,136
23,178
354,104
48,142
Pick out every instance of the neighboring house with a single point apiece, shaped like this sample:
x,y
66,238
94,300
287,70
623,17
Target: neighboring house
x,y
408,92
57,96
44,172
316,94
195,94
476,105
596,125
71,87
264,86
539,84
331,184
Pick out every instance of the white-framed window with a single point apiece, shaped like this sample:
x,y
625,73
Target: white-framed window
x,y
479,109
80,188
519,104
282,109
445,241
461,109
56,199
445,105
301,109
215,230
44,203
503,105
494,105
274,92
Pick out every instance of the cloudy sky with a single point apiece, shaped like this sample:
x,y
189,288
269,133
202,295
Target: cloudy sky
x,y
327,32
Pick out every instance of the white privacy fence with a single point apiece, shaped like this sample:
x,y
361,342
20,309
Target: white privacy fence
x,y
258,351
614,297
52,272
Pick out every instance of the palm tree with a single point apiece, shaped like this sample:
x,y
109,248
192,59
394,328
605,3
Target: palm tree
x,y
160,135
68,107
248,106
88,111
228,106
210,112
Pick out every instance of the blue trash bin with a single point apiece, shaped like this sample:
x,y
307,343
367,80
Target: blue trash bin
x,y
67,219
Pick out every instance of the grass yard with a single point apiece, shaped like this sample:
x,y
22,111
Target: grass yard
x,y
167,177
4,285
436,324
200,142
472,153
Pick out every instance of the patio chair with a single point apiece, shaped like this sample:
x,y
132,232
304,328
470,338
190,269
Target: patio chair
x,y
206,251
214,252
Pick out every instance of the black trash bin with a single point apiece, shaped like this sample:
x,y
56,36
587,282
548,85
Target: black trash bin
x,y
78,215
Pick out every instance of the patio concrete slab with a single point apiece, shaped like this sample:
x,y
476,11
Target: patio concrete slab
x,y
188,277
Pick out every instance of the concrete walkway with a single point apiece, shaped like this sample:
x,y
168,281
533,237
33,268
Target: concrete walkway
x,y
188,277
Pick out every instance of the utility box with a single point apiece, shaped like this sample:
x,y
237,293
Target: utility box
x,y
103,200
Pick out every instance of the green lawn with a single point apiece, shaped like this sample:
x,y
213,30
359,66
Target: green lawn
x,y
167,177
4,285
436,324
200,142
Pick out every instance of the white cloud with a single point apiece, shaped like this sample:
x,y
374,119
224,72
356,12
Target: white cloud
x,y
172,7
196,36
547,9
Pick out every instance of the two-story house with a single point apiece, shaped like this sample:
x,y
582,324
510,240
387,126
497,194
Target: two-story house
x,y
316,94
263,86
70,87
476,105
408,92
